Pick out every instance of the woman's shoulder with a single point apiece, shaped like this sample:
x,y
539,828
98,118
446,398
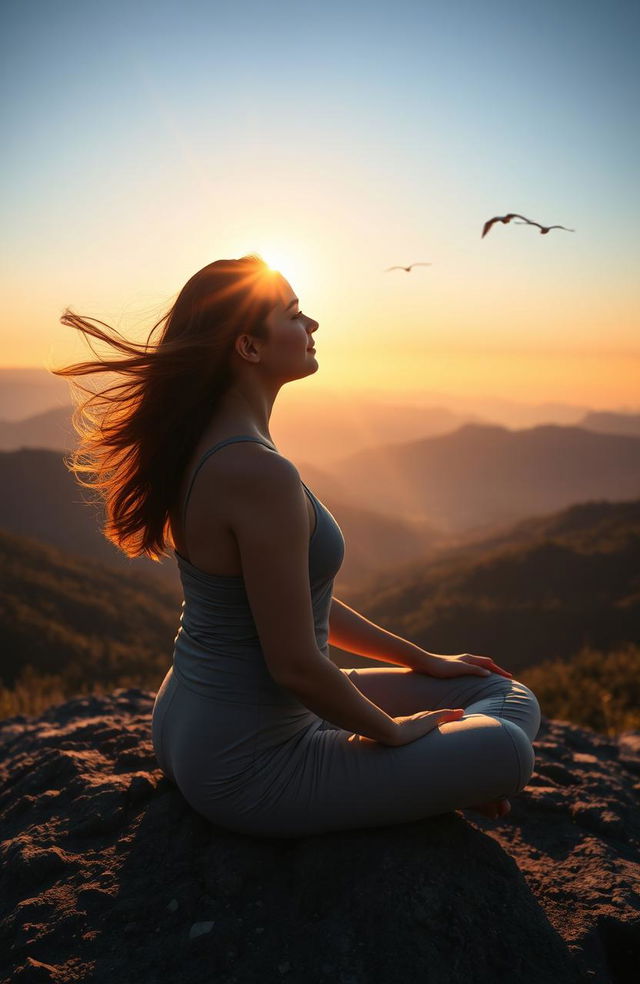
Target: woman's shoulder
x,y
244,462
258,465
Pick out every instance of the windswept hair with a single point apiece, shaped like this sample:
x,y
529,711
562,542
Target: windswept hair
x,y
137,435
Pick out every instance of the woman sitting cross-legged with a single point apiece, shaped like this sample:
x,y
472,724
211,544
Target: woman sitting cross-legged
x,y
260,731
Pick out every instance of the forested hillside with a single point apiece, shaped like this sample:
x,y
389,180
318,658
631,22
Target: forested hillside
x,y
69,625
544,591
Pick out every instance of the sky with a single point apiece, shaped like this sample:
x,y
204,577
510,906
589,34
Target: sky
x,y
144,140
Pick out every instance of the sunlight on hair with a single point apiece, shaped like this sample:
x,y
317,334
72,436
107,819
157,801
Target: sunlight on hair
x,y
283,261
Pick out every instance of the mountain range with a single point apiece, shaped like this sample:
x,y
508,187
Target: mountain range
x,y
482,475
542,591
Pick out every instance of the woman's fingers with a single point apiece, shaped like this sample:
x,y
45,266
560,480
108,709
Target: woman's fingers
x,y
488,663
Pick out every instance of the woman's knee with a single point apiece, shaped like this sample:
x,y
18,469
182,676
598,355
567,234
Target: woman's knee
x,y
531,721
524,752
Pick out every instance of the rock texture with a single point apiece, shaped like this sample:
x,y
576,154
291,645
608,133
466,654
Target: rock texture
x,y
108,874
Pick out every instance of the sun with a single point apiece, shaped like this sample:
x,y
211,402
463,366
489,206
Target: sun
x,y
282,261
289,257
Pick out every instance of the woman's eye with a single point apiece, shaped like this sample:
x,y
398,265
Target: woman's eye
x,y
298,315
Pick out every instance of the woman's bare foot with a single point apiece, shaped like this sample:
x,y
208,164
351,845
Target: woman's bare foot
x,y
493,808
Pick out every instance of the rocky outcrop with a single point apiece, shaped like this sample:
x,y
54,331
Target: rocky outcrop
x,y
108,874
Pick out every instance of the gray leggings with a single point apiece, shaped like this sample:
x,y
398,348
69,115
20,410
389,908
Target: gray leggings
x,y
268,771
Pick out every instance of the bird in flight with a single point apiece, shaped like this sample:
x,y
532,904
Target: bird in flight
x,y
545,229
502,218
525,221
407,268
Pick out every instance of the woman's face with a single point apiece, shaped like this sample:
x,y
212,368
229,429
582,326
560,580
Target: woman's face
x,y
288,350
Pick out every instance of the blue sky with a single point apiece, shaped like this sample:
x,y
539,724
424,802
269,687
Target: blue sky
x,y
146,139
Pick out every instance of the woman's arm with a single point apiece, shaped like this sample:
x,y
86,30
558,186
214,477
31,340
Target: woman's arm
x,y
356,634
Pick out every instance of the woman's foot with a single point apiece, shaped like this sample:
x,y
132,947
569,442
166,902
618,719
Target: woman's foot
x,y
493,808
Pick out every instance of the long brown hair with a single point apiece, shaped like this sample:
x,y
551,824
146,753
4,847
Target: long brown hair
x,y
137,436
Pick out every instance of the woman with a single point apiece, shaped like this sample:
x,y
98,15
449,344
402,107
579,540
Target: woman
x,y
256,726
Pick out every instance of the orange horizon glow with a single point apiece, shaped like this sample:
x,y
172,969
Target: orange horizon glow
x,y
602,382
469,325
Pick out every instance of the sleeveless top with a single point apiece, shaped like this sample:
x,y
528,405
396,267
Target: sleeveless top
x,y
217,651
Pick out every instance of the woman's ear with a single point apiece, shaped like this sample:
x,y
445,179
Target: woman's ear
x,y
245,346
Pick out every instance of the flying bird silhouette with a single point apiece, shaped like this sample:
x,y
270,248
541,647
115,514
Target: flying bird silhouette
x,y
407,268
501,218
545,229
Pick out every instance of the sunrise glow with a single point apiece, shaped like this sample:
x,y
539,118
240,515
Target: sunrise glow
x,y
332,172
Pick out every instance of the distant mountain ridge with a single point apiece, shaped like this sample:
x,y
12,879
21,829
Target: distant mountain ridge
x,y
555,585
606,422
29,391
40,498
344,425
481,475
51,429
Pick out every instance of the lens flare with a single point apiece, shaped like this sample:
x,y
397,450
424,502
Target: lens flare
x,y
280,262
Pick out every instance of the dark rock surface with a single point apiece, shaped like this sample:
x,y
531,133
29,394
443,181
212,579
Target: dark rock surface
x,y
109,875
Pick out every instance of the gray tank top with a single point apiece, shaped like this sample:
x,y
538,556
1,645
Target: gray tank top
x,y
217,650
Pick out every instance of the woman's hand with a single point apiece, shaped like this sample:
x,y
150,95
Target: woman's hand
x,y
412,726
463,664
